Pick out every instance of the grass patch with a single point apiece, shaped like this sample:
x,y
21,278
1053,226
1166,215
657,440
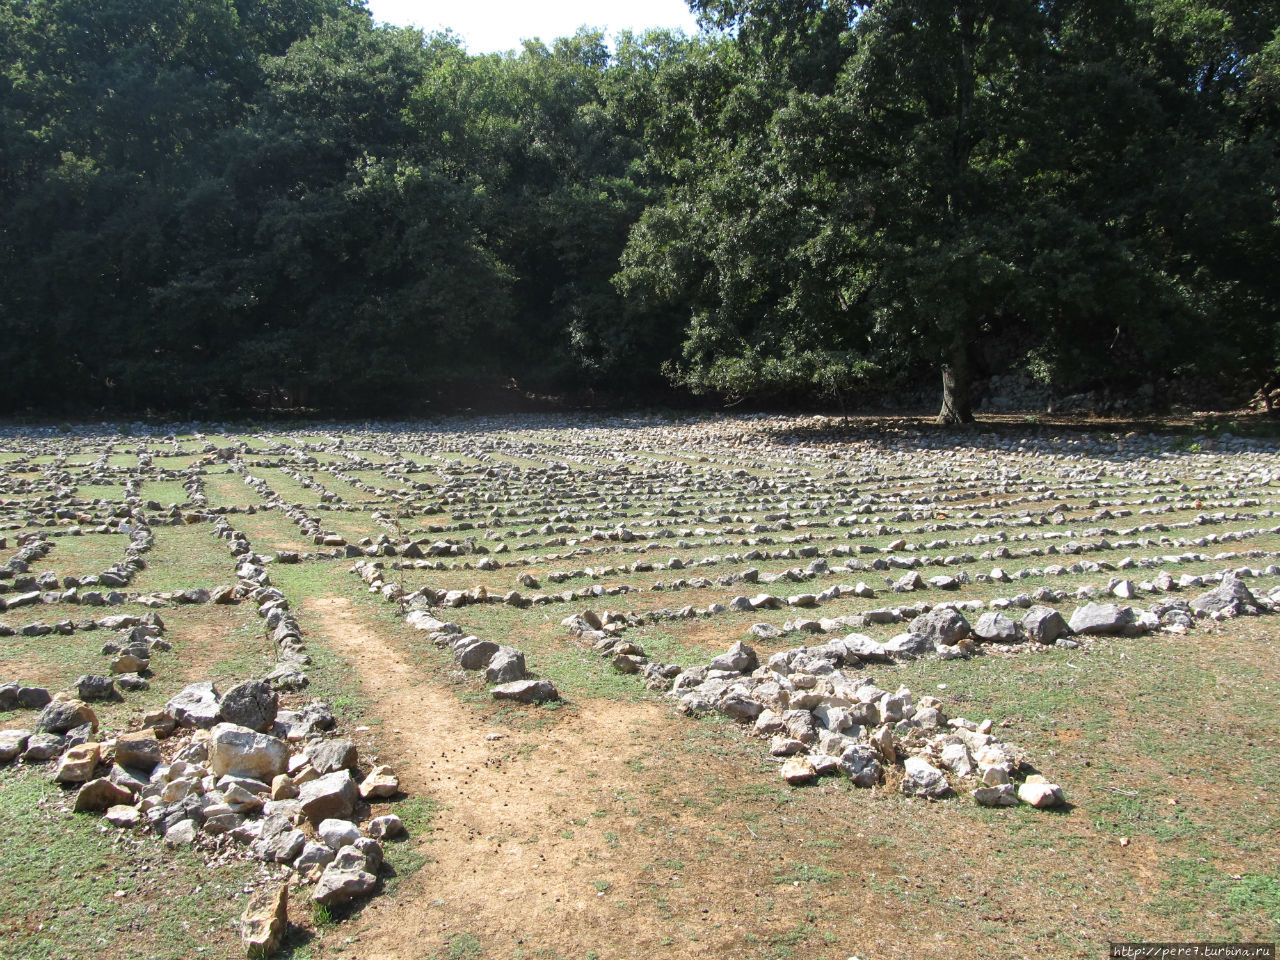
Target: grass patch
x,y
63,881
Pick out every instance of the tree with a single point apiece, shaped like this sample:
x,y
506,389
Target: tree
x,y
909,179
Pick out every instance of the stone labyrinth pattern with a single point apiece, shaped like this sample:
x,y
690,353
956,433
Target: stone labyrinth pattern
x,y
762,567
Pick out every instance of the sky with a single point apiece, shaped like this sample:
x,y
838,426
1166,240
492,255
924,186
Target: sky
x,y
489,26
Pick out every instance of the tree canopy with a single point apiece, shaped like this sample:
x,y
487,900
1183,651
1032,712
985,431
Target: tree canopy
x,y
229,204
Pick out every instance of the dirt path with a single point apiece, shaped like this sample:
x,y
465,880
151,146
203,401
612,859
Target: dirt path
x,y
536,847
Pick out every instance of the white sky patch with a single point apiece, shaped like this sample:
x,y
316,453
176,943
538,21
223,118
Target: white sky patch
x,y
489,26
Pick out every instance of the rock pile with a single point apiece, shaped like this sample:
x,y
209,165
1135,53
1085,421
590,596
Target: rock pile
x,y
504,666
211,769
823,719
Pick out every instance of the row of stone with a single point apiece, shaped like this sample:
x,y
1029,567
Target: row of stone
x,y
504,666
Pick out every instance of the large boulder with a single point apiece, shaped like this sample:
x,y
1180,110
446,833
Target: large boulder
x,y
329,756
240,752
739,658
140,750
923,779
78,763
945,626
332,796
526,691
994,627
339,885
1230,598
1100,618
251,704
1044,624
59,716
506,666
99,795
195,705
265,919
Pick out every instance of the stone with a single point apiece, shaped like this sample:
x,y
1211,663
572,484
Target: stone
x,y
251,704
907,646
506,666
123,816
33,698
241,752
862,647
526,691
265,920
78,763
9,696
59,716
475,656
12,743
42,746
739,658
997,795
90,687
337,834
386,827
78,735
129,663
1100,618
283,787
97,795
195,706
923,779
380,784
944,626
1124,590
861,765
313,859
366,847
140,750
1040,793
330,796
315,717
798,770
337,885
956,758
995,627
280,847
241,801
181,834
287,676
328,756
1044,624
131,682
1229,598
131,778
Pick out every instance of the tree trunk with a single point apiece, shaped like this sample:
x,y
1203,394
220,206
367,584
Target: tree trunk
x,y
956,376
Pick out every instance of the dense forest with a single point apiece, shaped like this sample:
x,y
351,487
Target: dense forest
x,y
219,205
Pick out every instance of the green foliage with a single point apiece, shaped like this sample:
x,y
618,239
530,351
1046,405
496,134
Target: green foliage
x,y
239,204
907,181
